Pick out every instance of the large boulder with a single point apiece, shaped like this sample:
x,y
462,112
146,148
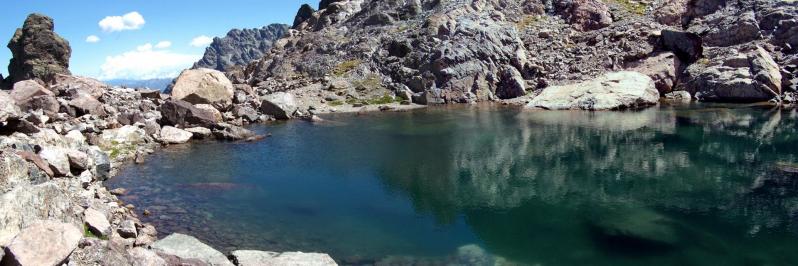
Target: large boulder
x,y
68,84
28,94
173,135
257,258
203,86
184,114
281,105
613,91
732,75
86,104
188,247
662,68
24,205
37,51
8,107
45,243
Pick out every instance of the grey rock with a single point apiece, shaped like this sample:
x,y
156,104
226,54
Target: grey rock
x,y
262,258
203,86
246,112
585,14
687,46
78,160
730,75
127,229
97,222
304,13
173,135
13,171
662,68
184,114
199,132
679,96
143,257
187,247
613,91
731,30
86,104
511,84
225,131
240,47
102,163
37,51
45,243
281,105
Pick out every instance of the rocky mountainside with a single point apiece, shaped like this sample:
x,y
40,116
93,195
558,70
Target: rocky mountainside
x,y
240,47
458,51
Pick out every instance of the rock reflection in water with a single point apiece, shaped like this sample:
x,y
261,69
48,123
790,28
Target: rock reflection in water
x,y
666,185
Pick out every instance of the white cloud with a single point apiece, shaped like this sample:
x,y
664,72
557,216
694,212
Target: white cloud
x,y
201,41
163,44
92,39
129,21
146,63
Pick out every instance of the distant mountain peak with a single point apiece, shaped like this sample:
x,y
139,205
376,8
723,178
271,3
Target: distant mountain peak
x,y
240,47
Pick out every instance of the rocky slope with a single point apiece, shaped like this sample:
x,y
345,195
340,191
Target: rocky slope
x,y
352,52
240,47
61,136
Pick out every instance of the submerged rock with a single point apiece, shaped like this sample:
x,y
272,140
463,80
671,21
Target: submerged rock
x,y
188,247
613,91
45,243
257,258
634,227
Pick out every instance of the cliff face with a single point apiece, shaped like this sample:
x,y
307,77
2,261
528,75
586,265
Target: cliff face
x,y
439,51
240,47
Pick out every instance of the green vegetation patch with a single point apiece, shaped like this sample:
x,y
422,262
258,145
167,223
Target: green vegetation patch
x,y
346,67
632,6
371,82
87,233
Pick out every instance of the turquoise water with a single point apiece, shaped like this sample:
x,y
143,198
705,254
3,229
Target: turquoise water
x,y
484,185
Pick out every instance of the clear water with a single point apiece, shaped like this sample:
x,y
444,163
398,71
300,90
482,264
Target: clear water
x,y
493,185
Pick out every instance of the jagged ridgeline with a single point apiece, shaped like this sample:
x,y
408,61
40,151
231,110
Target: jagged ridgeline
x,y
436,51
240,47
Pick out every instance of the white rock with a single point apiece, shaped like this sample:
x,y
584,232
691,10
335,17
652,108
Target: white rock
x,y
58,159
175,135
281,105
24,205
262,258
613,91
85,178
188,247
203,86
97,222
45,243
142,257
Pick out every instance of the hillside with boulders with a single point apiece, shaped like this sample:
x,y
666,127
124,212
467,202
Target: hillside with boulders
x,y
240,47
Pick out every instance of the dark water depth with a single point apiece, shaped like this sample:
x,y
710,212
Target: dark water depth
x,y
486,185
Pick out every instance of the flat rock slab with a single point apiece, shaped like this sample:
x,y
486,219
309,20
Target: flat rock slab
x,y
265,258
173,135
612,91
43,243
189,248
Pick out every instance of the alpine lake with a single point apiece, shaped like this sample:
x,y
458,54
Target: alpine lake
x,y
700,184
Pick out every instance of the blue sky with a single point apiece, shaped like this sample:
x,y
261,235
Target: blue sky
x,y
124,28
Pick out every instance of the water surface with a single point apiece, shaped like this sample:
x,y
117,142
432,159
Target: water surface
x,y
692,185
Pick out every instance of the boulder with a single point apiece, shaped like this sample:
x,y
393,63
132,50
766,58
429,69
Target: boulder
x,y
24,205
613,91
8,107
188,247
146,235
45,243
102,163
686,45
662,68
75,85
199,132
13,171
731,75
225,131
86,104
127,229
511,84
96,222
37,51
725,30
217,116
184,114
143,257
672,13
36,160
78,160
246,112
257,258
281,105
173,135
203,86
58,160
30,95
585,15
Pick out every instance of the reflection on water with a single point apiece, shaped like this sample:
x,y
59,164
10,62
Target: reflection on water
x,y
697,185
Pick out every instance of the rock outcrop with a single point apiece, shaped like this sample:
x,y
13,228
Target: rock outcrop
x,y
44,243
732,75
613,91
38,52
240,47
189,248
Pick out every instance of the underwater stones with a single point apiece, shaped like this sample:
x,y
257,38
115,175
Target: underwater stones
x,y
613,91
45,243
188,247
635,227
256,258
